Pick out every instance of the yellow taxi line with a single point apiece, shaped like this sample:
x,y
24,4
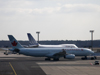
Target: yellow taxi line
x,y
12,68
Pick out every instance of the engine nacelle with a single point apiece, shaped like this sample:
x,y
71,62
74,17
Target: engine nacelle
x,y
69,56
16,50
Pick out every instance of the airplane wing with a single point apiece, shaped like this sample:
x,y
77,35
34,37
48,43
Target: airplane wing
x,y
60,53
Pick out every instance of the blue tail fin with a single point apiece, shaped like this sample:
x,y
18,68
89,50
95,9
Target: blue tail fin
x,y
14,42
32,40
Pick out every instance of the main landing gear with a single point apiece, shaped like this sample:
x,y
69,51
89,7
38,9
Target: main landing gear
x,y
84,58
6,53
54,59
47,59
92,58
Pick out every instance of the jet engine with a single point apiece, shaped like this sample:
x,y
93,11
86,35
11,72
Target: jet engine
x,y
69,56
16,50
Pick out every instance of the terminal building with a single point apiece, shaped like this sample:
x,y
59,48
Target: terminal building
x,y
79,43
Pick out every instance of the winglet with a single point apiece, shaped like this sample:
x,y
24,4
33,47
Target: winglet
x,y
32,40
14,42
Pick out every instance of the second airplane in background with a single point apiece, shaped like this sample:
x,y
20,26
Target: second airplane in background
x,y
34,43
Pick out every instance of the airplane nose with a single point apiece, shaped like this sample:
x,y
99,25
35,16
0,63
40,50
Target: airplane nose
x,y
91,52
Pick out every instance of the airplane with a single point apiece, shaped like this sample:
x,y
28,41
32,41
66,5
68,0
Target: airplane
x,y
34,43
55,53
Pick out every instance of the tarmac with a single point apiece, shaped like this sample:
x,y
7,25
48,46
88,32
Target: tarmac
x,y
15,64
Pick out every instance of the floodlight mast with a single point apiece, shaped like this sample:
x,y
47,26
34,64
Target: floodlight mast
x,y
38,35
92,38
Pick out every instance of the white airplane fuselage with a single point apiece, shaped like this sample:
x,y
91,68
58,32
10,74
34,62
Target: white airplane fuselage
x,y
46,52
34,43
55,46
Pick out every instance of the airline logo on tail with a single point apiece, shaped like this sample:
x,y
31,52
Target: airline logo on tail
x,y
14,43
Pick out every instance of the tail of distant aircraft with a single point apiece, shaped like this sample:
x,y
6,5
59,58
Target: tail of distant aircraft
x,y
14,43
32,40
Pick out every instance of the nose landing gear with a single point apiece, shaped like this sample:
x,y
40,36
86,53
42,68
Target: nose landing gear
x,y
92,58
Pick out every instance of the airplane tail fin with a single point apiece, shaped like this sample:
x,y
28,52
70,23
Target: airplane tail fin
x,y
32,40
14,43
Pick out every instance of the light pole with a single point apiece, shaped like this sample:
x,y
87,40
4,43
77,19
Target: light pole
x,y
38,35
92,38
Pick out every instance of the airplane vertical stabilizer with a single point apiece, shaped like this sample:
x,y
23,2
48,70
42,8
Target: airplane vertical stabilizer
x,y
32,40
14,43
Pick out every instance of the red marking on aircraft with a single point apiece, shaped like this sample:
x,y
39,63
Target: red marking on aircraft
x,y
14,43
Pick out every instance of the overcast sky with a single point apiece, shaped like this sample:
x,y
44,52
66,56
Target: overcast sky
x,y
55,19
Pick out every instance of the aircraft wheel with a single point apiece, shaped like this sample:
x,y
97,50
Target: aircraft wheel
x,y
92,58
47,58
84,58
56,59
5,53
95,57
